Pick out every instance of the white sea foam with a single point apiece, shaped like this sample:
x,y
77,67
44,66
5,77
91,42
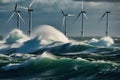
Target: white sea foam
x,y
16,36
104,41
41,37
24,56
48,55
2,55
2,42
11,66
29,46
14,40
34,60
93,40
46,32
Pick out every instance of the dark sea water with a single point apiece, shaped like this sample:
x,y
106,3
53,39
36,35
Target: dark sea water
x,y
44,59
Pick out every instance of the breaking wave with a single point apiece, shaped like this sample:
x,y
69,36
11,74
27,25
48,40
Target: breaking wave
x,y
16,36
49,55
104,41
46,32
49,66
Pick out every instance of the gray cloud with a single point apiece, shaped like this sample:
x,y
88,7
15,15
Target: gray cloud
x,y
6,1
99,0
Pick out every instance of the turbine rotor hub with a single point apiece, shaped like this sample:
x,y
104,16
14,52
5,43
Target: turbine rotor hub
x,y
30,9
108,12
83,11
18,11
66,14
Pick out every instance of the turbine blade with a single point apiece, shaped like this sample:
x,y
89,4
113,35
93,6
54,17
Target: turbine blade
x,y
77,17
63,22
31,3
71,15
82,5
60,9
62,12
11,17
20,17
23,7
101,18
85,16
16,6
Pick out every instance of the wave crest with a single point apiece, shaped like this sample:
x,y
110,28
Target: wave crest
x,y
16,36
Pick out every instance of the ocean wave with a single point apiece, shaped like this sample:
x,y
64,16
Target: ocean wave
x,y
47,38
16,36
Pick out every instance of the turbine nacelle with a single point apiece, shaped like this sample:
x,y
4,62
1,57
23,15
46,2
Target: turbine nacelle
x,y
69,15
107,12
30,9
18,11
83,11
66,14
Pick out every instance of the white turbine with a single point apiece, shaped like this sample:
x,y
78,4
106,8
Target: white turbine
x,y
83,13
17,12
107,21
64,23
29,9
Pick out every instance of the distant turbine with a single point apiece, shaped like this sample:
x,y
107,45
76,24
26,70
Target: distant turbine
x,y
64,25
107,21
17,12
83,13
29,9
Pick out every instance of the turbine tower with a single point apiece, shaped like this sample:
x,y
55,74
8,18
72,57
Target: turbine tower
x,y
17,12
64,24
30,10
107,21
83,14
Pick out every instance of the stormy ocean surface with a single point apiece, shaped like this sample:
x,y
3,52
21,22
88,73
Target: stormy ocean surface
x,y
49,55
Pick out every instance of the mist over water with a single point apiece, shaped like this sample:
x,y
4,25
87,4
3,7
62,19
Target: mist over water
x,y
49,55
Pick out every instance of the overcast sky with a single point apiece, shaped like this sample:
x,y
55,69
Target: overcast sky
x,y
47,12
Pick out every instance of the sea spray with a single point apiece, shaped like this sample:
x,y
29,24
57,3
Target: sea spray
x,y
13,41
104,41
49,33
16,36
50,56
42,37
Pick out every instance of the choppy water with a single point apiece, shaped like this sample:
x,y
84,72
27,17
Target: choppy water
x,y
55,57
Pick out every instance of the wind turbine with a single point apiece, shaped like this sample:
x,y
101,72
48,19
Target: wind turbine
x,y
64,25
83,14
107,21
17,12
30,10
